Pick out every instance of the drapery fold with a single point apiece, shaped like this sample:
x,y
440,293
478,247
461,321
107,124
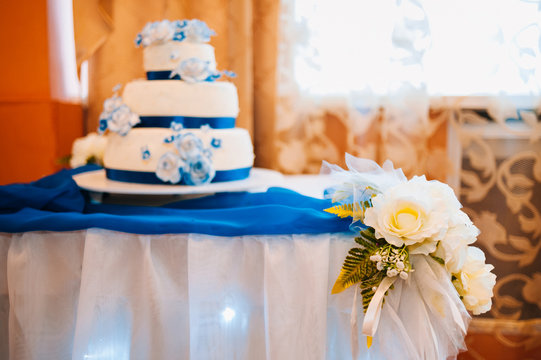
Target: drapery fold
x,y
109,295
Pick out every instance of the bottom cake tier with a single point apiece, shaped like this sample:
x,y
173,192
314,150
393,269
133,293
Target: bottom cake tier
x,y
137,156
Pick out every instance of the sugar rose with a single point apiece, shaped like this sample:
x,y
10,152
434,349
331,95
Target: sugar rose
x,y
416,213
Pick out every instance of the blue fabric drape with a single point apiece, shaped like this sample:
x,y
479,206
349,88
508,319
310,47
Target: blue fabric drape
x,y
55,203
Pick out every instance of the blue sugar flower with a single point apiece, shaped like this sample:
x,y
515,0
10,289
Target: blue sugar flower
x,y
199,171
169,168
145,152
169,139
102,125
216,143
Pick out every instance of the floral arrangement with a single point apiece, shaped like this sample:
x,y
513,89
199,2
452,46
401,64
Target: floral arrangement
x,y
194,70
191,163
195,31
404,223
117,116
88,150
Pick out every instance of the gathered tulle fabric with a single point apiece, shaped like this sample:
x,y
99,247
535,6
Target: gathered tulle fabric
x,y
111,295
101,294
423,316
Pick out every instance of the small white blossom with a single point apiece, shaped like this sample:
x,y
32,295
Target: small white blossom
x,y
375,257
400,265
392,272
404,275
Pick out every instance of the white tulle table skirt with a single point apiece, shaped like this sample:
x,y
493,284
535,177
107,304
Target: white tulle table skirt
x,y
98,294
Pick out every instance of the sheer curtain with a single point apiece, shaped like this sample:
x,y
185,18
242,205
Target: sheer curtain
x,y
446,89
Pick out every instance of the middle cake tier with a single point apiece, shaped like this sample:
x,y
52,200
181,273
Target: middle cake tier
x,y
179,98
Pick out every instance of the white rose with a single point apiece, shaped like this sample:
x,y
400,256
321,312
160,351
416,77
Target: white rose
x,y
413,213
446,195
92,145
475,282
453,247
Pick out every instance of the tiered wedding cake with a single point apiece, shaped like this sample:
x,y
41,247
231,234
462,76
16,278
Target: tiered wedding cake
x,y
178,126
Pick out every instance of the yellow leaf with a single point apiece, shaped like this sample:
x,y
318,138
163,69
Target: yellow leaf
x,y
338,286
354,210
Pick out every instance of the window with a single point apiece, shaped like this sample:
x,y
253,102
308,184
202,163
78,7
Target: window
x,y
446,48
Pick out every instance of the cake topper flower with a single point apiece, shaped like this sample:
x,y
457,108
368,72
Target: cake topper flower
x,y
406,225
157,32
190,164
197,31
117,116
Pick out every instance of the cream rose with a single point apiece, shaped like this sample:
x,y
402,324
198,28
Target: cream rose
x,y
475,282
453,247
414,213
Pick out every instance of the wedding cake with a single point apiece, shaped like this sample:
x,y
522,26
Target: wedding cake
x,y
177,126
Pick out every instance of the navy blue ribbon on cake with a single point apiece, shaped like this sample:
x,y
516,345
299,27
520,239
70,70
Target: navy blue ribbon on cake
x,y
144,177
188,122
161,75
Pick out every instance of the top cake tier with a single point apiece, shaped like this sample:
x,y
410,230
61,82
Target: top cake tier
x,y
167,56
173,46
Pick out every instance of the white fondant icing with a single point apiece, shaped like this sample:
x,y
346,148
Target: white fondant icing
x,y
124,152
166,56
173,97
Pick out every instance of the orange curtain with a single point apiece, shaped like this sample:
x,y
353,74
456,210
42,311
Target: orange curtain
x,y
246,43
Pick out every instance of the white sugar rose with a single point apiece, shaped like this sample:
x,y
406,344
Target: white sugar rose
x,y
198,32
161,31
475,282
414,213
90,147
193,70
453,247
110,104
169,168
122,120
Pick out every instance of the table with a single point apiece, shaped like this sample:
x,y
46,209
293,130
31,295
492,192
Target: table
x,y
249,288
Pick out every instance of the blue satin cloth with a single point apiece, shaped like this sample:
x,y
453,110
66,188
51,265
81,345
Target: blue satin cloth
x,y
55,203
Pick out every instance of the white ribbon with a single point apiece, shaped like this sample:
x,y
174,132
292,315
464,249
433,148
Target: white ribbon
x,y
354,328
371,318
